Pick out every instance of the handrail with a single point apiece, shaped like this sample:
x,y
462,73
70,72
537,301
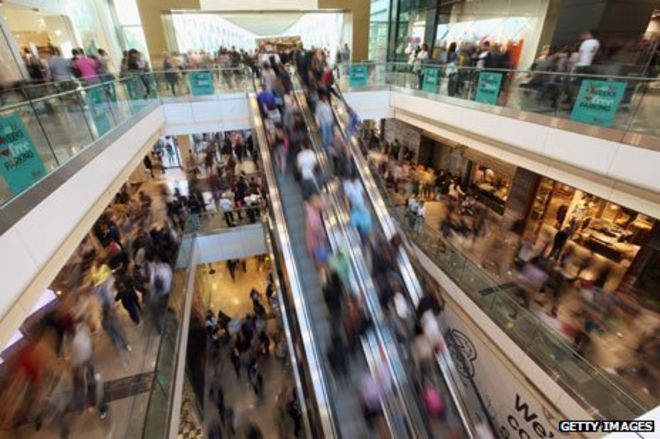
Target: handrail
x,y
413,287
312,352
385,344
270,226
159,424
511,71
629,113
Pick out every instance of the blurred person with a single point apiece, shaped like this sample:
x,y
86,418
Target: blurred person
x,y
325,119
160,282
113,328
420,58
315,240
88,387
87,67
306,164
171,73
60,70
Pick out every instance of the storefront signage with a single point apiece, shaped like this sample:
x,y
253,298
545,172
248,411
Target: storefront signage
x,y
99,109
20,164
598,102
201,83
357,76
430,82
488,87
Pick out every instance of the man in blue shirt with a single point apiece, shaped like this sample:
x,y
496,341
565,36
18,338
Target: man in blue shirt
x,y
266,100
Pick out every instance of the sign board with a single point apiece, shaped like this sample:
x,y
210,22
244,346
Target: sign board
x,y
514,410
488,87
99,109
598,101
201,83
357,75
20,164
430,82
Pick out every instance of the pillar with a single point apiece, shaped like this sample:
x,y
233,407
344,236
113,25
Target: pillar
x,y
521,194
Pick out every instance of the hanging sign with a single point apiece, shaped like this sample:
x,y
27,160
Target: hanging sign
x,y
99,110
430,82
598,102
488,87
357,75
201,83
20,164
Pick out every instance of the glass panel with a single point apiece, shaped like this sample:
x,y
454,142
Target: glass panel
x,y
67,110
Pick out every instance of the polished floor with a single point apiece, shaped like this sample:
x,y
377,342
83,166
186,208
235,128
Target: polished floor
x,y
219,291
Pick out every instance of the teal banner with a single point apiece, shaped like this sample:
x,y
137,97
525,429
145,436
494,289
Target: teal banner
x,y
20,164
488,87
201,83
99,109
357,76
598,102
430,82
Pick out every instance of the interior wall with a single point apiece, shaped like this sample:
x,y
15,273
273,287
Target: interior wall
x,y
152,24
360,20
487,9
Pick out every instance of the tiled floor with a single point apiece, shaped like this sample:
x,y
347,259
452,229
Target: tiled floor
x,y
233,297
219,291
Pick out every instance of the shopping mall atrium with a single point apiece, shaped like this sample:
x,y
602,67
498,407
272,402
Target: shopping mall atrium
x,y
330,219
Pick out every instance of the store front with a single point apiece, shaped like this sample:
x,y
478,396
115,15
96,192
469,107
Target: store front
x,y
488,179
597,228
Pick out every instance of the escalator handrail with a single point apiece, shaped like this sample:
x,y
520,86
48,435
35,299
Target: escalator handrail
x,y
385,345
413,285
312,350
269,224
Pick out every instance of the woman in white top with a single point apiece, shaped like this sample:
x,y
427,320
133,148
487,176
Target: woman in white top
x,y
422,56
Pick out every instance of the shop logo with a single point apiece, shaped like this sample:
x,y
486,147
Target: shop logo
x,y
463,352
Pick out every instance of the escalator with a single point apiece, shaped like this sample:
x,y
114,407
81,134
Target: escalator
x,y
402,409
467,412
337,409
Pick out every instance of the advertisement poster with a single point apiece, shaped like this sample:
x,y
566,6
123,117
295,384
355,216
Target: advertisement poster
x,y
201,83
99,109
515,411
430,82
598,102
357,76
488,87
20,164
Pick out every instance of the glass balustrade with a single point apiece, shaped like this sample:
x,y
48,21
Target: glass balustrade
x,y
45,126
626,103
587,383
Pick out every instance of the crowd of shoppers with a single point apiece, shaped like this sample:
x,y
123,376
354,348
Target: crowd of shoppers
x,y
124,265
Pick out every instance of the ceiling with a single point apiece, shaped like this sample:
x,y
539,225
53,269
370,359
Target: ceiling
x,y
264,24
